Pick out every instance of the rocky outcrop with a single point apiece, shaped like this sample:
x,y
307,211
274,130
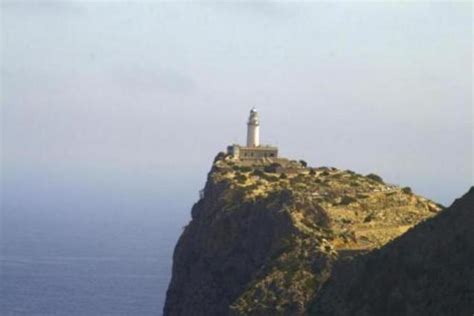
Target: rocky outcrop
x,y
222,249
264,236
427,271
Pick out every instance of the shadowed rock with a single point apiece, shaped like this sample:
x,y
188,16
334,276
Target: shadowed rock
x,y
427,271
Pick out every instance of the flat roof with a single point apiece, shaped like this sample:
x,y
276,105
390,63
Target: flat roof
x,y
264,147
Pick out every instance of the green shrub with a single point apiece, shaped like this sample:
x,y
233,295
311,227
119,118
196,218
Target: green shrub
x,y
346,220
252,187
272,168
300,186
245,169
271,178
346,200
283,176
375,177
407,190
312,172
369,218
220,156
303,163
241,178
258,173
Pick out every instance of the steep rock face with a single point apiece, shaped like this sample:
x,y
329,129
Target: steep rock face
x,y
264,235
427,271
221,250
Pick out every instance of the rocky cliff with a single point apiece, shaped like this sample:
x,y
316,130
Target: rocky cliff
x,y
265,235
427,271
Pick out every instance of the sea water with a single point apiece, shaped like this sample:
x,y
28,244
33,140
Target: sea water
x,y
87,248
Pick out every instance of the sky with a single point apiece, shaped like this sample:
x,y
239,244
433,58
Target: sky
x,y
143,94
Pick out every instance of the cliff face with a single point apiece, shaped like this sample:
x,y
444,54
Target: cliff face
x,y
427,271
264,236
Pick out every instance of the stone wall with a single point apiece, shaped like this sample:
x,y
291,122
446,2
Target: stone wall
x,y
259,152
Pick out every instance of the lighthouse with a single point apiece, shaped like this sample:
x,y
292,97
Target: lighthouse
x,y
253,150
253,129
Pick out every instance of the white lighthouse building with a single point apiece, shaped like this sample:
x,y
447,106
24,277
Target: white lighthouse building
x,y
253,129
253,150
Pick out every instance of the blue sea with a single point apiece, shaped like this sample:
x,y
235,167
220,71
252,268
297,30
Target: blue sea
x,y
89,246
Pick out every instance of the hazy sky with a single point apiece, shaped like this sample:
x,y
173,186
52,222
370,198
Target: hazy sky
x,y
148,93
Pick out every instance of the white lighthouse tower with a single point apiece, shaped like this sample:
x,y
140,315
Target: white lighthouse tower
x,y
253,129
253,150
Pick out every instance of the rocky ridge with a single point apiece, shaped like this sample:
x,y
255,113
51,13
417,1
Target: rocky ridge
x,y
265,235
